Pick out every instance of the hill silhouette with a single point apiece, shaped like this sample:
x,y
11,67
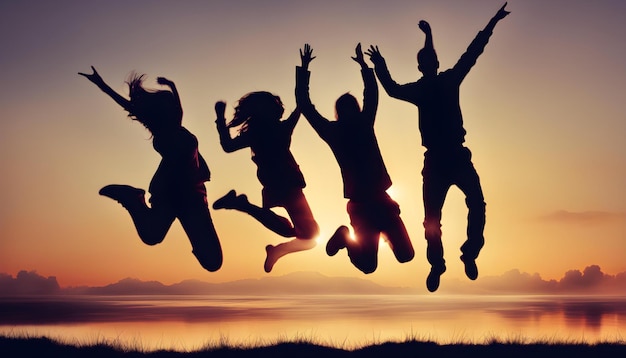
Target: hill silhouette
x,y
590,281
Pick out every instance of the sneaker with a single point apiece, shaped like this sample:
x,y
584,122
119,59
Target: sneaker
x,y
471,270
434,277
337,241
124,194
226,202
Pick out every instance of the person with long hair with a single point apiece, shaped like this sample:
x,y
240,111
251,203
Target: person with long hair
x,y
351,137
177,189
258,121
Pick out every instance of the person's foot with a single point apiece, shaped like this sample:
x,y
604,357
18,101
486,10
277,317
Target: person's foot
x,y
471,270
227,201
434,277
270,260
126,195
337,241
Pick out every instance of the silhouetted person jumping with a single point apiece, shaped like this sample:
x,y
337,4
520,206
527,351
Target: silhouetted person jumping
x,y
447,161
365,179
258,116
177,188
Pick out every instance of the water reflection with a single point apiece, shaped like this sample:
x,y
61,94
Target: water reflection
x,y
191,321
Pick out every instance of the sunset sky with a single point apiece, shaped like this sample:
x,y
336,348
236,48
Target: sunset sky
x,y
543,110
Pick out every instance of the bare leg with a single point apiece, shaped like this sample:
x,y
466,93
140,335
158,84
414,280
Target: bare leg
x,y
306,229
276,252
278,224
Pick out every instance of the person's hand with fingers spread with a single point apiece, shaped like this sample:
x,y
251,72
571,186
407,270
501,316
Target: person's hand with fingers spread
x,y
374,53
358,58
306,55
93,77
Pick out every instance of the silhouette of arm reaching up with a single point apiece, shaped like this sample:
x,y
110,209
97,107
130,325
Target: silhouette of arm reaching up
x,y
428,42
392,88
370,91
292,120
317,121
98,81
476,48
228,143
165,82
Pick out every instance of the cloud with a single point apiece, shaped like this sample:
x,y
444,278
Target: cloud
x,y
589,281
583,217
27,283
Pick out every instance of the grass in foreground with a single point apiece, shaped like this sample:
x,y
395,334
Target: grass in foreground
x,y
300,347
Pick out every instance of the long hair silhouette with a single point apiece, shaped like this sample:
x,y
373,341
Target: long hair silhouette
x,y
177,188
258,121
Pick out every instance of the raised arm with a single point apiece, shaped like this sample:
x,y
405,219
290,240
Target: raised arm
x,y
292,120
476,48
164,81
317,121
98,81
228,143
391,87
428,41
501,14
370,91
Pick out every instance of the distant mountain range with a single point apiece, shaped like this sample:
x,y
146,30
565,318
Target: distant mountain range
x,y
307,283
589,281
293,283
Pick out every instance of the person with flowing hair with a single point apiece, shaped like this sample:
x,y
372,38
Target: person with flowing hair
x,y
257,121
177,189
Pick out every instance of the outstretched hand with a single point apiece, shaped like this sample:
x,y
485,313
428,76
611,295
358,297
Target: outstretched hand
x,y
502,13
374,53
359,56
220,108
93,77
424,26
306,56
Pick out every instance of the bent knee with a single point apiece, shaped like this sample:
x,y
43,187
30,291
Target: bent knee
x,y
151,240
406,256
367,269
210,263
308,232
366,266
476,203
212,266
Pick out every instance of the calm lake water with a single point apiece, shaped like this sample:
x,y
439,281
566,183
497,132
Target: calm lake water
x,y
192,322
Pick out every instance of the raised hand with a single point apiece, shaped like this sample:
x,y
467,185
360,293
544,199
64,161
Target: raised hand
x,y
502,13
306,56
424,26
164,81
359,56
93,77
374,53
220,108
